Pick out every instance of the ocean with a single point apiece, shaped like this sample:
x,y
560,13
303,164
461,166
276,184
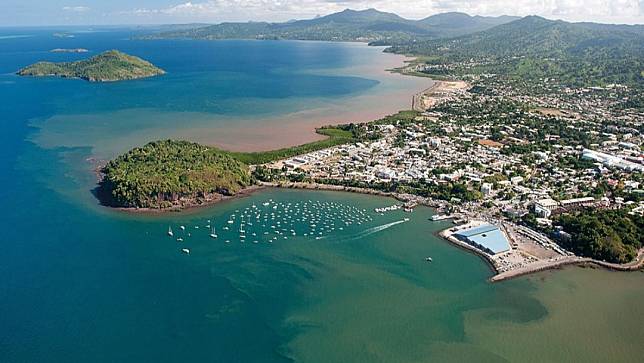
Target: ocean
x,y
81,282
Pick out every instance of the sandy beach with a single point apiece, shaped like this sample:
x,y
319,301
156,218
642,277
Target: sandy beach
x,y
440,91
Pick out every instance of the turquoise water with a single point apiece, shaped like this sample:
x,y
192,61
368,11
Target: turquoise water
x,y
84,283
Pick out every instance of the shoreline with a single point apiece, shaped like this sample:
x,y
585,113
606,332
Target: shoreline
x,y
189,205
535,267
542,265
405,198
441,91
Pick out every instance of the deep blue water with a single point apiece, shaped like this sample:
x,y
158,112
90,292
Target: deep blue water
x,y
76,284
81,283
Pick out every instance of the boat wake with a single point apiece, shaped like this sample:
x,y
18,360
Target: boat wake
x,y
371,231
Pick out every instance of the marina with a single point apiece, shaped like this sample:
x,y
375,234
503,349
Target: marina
x,y
273,220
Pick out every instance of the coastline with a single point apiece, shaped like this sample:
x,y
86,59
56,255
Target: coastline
x,y
276,123
634,265
535,267
542,265
405,198
189,205
440,91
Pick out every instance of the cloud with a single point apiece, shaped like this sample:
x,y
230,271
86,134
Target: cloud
x,y
76,9
279,10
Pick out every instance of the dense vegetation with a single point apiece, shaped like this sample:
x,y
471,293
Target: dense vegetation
x,y
162,172
349,25
534,47
610,235
108,66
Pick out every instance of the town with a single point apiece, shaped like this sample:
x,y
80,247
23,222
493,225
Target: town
x,y
496,161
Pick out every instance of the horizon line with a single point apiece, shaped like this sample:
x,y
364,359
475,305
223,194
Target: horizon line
x,y
208,23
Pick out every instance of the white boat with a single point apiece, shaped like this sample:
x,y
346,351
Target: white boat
x,y
183,228
440,217
406,219
429,259
185,250
213,233
170,233
179,239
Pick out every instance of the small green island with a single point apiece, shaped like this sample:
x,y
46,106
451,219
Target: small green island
x,y
108,66
171,174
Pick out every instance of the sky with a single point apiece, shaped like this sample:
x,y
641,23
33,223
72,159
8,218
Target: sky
x,y
120,12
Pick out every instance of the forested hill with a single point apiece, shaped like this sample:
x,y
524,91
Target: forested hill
x,y
164,174
349,25
534,46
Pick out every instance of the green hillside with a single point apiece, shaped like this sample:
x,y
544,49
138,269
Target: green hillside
x,y
161,172
456,24
105,67
575,53
349,25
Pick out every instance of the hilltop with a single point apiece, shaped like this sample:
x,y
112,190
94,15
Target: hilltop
x,y
534,47
368,25
105,67
165,174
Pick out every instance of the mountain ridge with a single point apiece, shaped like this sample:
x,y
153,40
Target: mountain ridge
x,y
348,25
578,53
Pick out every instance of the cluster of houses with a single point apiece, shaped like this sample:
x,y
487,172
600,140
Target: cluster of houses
x,y
468,143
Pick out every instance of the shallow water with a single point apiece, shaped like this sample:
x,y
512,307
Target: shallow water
x,y
84,283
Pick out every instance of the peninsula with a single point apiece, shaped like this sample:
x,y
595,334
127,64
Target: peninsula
x,y
170,175
109,66
173,175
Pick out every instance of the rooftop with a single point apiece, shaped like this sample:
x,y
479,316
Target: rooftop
x,y
487,236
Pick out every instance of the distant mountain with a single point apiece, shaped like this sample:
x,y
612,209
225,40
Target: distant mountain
x,y
534,35
453,24
349,16
538,46
349,25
